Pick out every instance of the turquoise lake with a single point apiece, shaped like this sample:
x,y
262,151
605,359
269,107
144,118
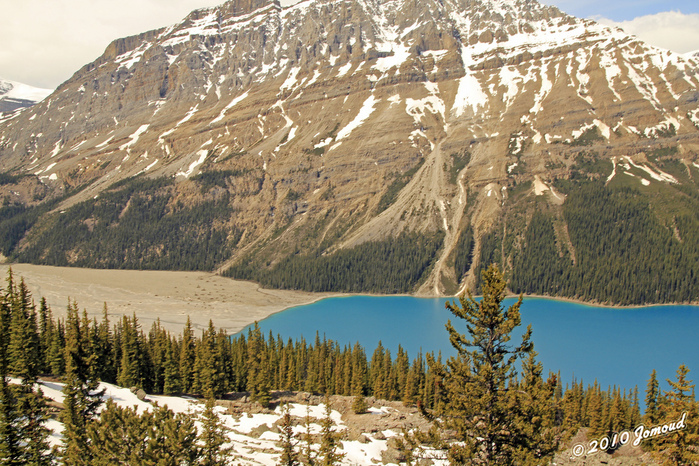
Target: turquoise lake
x,y
615,346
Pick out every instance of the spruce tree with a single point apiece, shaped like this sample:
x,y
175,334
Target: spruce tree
x,y
24,411
359,405
171,374
81,395
32,430
680,446
478,381
187,357
23,348
213,436
10,440
288,441
258,374
652,391
328,454
46,330
11,451
308,455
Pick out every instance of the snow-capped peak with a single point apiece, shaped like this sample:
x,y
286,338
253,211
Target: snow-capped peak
x,y
14,90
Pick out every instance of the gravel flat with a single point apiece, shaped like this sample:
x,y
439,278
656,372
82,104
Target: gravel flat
x,y
164,295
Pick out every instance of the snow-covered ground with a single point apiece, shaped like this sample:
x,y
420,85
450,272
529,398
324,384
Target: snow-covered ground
x,y
250,447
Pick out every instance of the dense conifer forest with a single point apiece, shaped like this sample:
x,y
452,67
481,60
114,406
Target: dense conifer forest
x,y
393,265
136,224
616,244
81,351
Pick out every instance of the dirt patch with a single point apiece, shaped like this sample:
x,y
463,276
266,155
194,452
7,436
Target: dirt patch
x,y
152,295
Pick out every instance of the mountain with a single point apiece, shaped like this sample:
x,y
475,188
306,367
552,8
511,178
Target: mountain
x,y
370,145
14,95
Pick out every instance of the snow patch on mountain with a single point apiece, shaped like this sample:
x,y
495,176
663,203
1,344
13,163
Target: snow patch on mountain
x,y
364,113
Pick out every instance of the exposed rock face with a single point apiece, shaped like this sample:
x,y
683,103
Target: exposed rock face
x,y
319,106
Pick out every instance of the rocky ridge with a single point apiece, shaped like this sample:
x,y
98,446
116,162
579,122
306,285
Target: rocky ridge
x,y
315,109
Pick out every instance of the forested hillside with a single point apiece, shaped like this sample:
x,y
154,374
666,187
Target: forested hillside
x,y
613,240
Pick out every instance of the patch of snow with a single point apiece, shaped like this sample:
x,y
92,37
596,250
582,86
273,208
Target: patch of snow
x,y
230,105
431,103
323,143
189,115
344,69
399,54
56,149
436,54
658,175
291,78
192,166
134,137
104,144
609,178
364,113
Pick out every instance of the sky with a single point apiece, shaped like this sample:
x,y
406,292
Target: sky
x,y
45,41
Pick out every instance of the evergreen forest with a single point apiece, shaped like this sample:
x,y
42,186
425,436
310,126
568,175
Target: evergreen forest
x,y
615,244
79,351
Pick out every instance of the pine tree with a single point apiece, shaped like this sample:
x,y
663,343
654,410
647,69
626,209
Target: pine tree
x,y
33,412
81,396
24,411
56,356
187,357
635,410
10,440
359,405
258,374
122,436
11,451
288,442
478,380
533,407
680,446
102,344
328,453
23,348
213,437
652,391
46,330
308,456
595,411
171,374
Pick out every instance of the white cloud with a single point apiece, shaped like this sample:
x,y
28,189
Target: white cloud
x,y
44,41
671,30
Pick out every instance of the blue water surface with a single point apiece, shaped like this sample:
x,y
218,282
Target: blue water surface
x,y
614,346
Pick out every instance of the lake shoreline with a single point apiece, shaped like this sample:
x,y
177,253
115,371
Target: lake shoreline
x,y
172,296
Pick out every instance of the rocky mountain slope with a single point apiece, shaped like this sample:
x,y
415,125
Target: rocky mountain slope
x,y
14,95
280,143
